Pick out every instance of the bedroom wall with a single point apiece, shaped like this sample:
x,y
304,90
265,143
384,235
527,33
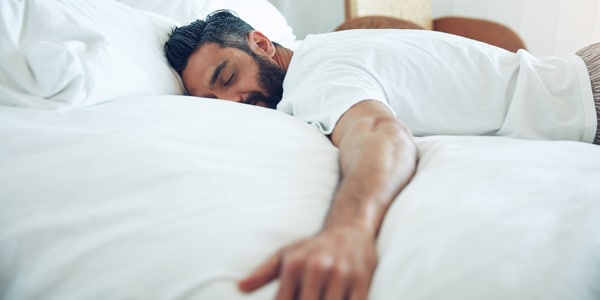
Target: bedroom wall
x,y
548,27
311,16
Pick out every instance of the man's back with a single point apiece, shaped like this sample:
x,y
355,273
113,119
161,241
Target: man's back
x,y
439,84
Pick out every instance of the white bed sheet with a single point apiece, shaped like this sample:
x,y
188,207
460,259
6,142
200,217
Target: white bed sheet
x,y
169,197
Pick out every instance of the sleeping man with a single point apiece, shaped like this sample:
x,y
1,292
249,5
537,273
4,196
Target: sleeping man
x,y
369,91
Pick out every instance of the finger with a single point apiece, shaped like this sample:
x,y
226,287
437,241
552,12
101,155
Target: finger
x,y
264,274
314,278
360,290
289,278
359,295
337,285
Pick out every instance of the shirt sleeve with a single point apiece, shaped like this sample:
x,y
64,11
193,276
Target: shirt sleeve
x,y
322,97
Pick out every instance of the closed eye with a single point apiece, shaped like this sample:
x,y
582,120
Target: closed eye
x,y
228,82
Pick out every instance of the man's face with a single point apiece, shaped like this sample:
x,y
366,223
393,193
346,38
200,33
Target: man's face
x,y
232,74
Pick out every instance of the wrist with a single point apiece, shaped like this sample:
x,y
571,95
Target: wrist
x,y
364,219
350,227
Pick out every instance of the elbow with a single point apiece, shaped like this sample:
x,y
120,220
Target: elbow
x,y
392,126
397,132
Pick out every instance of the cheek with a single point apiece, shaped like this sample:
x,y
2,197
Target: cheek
x,y
250,82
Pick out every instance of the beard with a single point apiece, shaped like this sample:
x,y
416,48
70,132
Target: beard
x,y
270,78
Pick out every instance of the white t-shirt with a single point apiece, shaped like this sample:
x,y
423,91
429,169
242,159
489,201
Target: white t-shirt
x,y
440,84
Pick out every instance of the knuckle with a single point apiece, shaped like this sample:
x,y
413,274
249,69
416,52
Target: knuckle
x,y
318,265
340,270
292,263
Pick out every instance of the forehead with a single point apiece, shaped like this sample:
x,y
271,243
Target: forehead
x,y
202,64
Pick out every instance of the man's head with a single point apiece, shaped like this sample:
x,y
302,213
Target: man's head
x,y
224,57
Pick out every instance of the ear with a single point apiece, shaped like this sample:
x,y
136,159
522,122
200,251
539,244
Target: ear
x,y
260,44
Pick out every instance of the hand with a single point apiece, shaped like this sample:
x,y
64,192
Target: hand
x,y
338,263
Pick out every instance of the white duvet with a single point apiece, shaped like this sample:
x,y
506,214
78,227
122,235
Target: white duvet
x,y
169,197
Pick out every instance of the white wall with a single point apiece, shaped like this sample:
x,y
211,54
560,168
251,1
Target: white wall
x,y
548,27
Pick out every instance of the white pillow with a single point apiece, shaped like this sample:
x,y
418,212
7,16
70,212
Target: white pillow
x,y
261,14
74,53
494,218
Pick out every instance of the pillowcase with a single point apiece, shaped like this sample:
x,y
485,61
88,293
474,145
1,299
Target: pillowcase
x,y
261,14
78,53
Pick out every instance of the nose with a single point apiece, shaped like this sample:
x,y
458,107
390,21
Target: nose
x,y
230,96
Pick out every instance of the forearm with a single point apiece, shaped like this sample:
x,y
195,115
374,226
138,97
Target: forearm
x,y
377,160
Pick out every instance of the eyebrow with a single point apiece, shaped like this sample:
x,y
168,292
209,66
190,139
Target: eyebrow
x,y
217,72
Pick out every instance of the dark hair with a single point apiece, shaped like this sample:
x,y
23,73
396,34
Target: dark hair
x,y
223,27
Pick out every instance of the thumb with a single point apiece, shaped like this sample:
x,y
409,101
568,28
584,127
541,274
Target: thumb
x,y
264,274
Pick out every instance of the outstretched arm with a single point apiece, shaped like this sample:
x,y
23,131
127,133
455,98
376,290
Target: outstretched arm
x,y
377,160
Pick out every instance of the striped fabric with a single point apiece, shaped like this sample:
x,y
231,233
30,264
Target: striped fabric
x,y
591,57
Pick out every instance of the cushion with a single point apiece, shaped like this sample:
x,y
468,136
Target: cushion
x,y
482,30
78,53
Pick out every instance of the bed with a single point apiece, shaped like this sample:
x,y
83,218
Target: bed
x,y
114,185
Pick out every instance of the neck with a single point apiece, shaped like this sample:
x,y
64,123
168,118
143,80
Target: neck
x,y
283,56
